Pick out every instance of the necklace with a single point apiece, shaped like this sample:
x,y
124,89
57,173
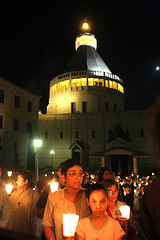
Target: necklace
x,y
20,198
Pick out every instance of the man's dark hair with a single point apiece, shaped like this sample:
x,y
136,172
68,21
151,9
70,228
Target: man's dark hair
x,y
68,164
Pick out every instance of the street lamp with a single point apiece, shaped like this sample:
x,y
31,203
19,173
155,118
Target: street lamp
x,y
52,152
37,144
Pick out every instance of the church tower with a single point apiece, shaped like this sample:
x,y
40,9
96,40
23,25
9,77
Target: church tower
x,y
86,84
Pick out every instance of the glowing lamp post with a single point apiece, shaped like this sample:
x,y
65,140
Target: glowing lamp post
x,y
125,211
37,144
52,152
69,224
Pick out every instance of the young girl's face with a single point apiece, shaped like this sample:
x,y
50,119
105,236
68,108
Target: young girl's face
x,y
112,194
97,202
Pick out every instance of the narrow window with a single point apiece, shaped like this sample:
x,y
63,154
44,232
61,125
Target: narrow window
x,y
29,127
2,95
73,107
115,107
77,134
17,101
110,133
142,132
61,134
93,134
127,132
46,135
1,122
106,106
84,107
29,106
16,125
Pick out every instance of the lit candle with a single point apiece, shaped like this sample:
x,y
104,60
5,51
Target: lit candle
x,y
54,186
125,211
70,222
8,188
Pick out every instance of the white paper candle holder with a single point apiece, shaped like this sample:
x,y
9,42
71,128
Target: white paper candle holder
x,y
9,188
54,186
70,222
125,211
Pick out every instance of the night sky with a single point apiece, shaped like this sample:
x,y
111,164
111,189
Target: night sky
x,y
37,42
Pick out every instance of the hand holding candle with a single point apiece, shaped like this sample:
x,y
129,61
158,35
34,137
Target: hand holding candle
x,y
70,222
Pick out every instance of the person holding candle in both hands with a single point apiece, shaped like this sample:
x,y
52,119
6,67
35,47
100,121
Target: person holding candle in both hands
x,y
113,208
71,199
98,226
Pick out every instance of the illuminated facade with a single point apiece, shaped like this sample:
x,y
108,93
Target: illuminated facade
x,y
86,118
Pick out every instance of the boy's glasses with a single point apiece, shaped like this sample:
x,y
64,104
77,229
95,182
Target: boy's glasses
x,y
75,174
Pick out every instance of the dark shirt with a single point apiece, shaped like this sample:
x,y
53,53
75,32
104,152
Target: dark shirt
x,y
149,217
43,198
128,199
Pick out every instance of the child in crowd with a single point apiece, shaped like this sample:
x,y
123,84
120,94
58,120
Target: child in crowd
x,y
113,207
98,226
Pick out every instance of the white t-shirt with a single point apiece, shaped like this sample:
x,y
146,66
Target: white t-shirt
x,y
110,231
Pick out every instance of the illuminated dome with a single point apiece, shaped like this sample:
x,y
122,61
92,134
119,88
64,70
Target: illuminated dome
x,y
87,78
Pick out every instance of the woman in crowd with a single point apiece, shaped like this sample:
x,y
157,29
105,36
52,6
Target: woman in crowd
x,y
98,225
104,173
71,199
113,206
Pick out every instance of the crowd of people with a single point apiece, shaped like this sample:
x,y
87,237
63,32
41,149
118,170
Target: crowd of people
x,y
95,198
36,212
